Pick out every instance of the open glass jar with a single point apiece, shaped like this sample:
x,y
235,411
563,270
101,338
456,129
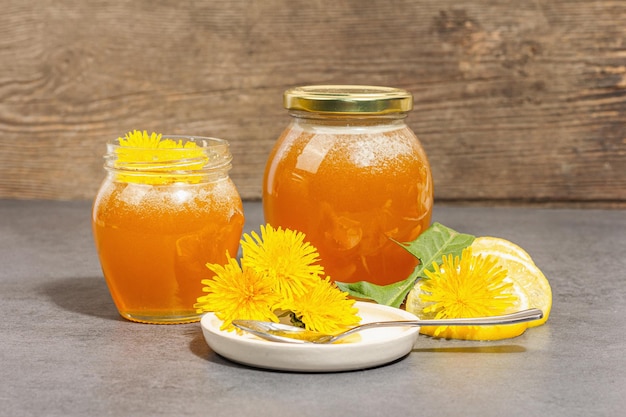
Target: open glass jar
x,y
161,214
351,175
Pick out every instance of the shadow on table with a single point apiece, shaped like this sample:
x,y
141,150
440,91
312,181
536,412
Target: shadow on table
x,y
88,295
199,347
473,349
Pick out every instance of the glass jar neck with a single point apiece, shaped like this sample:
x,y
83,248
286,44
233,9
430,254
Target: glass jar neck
x,y
353,120
340,119
181,160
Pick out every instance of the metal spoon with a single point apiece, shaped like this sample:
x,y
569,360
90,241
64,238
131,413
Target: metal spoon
x,y
278,332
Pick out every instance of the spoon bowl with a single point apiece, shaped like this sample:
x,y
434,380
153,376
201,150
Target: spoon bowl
x,y
278,332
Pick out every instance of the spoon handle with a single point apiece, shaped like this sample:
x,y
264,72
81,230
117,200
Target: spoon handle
x,y
517,317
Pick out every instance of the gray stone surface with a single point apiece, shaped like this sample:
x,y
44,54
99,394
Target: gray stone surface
x,y
64,351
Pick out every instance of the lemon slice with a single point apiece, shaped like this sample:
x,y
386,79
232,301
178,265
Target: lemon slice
x,y
522,270
488,245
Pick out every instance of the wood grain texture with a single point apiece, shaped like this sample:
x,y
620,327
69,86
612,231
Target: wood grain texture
x,y
515,102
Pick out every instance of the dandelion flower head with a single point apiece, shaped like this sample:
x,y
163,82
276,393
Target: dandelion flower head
x,y
469,286
238,293
323,308
284,256
150,159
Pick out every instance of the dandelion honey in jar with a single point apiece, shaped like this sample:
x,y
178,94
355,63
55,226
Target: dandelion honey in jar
x,y
351,175
166,208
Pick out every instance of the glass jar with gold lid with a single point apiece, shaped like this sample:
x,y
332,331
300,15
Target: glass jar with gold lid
x,y
349,173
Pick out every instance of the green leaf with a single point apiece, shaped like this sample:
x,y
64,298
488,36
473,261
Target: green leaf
x,y
437,241
391,295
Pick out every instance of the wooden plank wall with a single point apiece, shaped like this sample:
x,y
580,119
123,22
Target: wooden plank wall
x,y
517,102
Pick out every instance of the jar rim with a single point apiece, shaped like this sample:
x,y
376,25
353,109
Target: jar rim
x,y
209,158
201,141
348,99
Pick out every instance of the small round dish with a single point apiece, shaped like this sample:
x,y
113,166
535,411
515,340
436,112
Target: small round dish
x,y
373,348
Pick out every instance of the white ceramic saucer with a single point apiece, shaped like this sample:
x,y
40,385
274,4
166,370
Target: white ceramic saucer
x,y
374,347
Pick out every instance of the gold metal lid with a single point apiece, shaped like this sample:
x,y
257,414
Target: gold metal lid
x,y
348,99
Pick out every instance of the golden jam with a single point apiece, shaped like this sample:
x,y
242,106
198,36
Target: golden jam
x,y
351,175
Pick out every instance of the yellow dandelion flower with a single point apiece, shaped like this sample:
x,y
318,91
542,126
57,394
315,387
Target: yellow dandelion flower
x,y
238,293
138,139
472,286
150,159
323,308
284,256
140,146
